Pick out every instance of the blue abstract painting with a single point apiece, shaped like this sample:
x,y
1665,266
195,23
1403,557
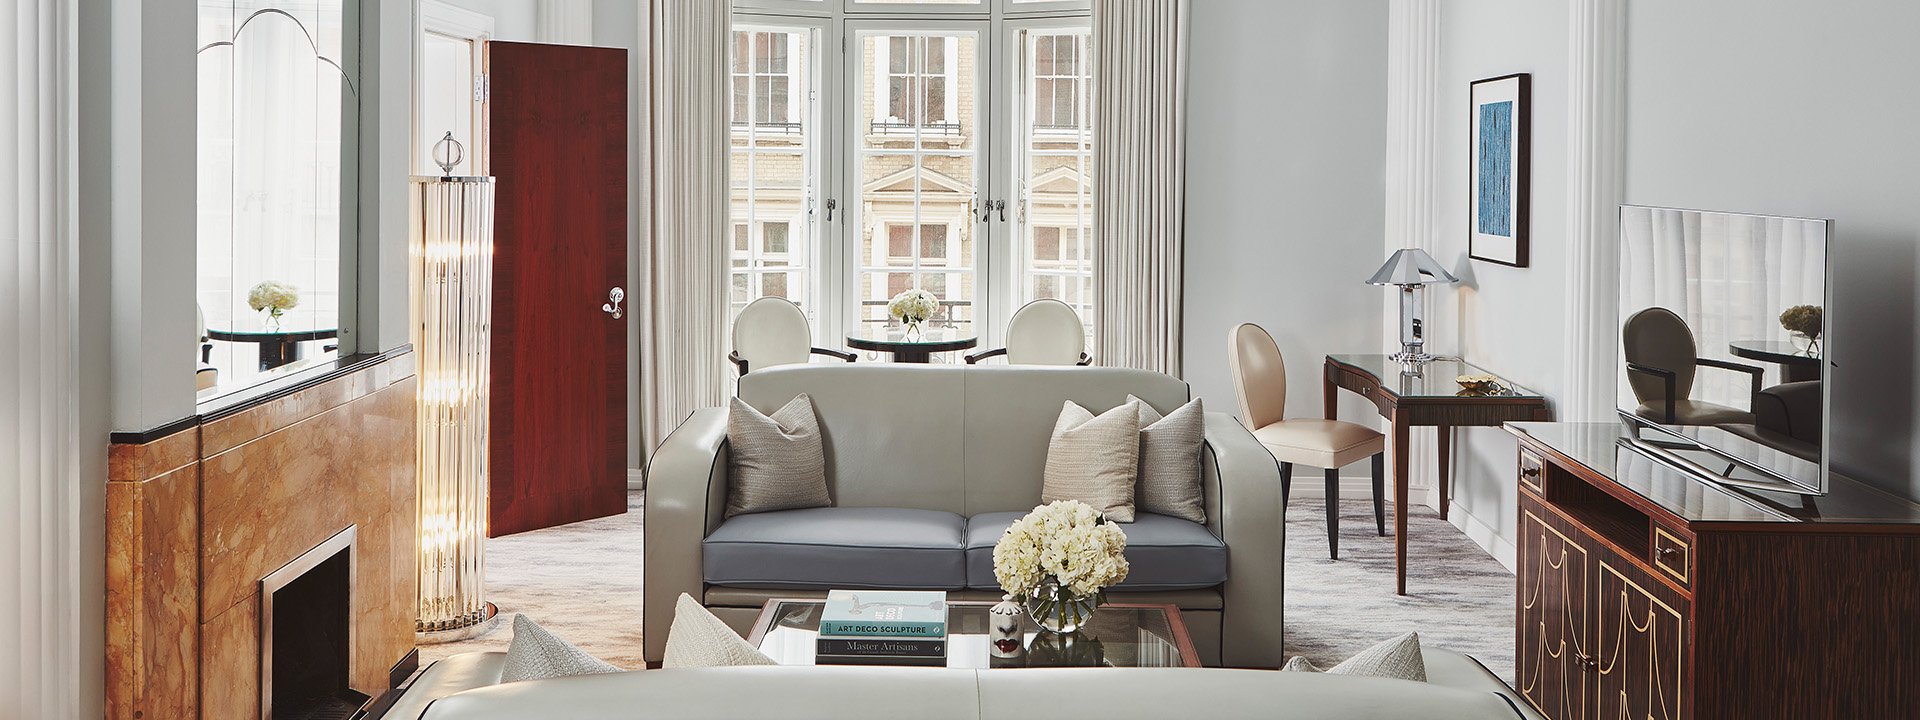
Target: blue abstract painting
x,y
1494,213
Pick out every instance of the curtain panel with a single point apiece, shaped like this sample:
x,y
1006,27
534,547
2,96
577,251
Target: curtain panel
x,y
1139,155
44,616
684,213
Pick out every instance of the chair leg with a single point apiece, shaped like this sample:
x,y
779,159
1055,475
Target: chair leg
x,y
1333,513
1380,493
1286,483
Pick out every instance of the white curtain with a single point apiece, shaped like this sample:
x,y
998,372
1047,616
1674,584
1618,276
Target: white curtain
x,y
41,613
684,213
1729,276
1139,151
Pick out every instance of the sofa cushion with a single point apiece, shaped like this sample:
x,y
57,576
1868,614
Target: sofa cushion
x,y
1163,553
839,547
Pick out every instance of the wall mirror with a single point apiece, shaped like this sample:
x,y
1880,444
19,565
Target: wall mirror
x,y
277,190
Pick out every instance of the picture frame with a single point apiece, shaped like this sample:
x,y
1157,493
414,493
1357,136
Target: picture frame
x,y
1499,168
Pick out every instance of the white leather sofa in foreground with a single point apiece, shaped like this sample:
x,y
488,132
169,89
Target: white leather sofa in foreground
x,y
927,465
1458,688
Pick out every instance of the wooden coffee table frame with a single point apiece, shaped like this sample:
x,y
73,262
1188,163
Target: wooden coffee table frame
x,y
1182,640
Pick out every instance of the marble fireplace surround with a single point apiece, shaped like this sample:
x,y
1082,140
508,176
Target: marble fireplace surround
x,y
197,518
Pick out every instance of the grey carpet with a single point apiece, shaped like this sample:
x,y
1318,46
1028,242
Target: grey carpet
x,y
582,581
1458,597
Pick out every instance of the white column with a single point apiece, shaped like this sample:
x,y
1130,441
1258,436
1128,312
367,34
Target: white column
x,y
1413,61
566,22
44,616
1596,157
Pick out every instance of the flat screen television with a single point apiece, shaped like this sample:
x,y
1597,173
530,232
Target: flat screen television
x,y
1724,360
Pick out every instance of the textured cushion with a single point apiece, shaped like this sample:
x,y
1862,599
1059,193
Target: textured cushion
x,y
1094,460
1170,447
777,460
1397,658
698,639
839,548
536,654
1320,443
1163,553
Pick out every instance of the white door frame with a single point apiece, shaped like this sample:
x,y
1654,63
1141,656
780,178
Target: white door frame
x,y
442,18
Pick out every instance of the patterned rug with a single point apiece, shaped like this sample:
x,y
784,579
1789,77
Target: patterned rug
x,y
582,581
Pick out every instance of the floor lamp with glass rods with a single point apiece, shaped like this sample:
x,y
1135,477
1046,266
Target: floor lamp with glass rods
x,y
452,244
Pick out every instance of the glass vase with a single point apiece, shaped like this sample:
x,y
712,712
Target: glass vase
x,y
912,329
1057,609
1808,345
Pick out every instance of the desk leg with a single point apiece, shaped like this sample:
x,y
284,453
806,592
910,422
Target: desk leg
x,y
1400,498
1445,434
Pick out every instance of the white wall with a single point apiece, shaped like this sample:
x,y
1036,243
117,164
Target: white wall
x,y
1286,113
1502,318
1776,107
1809,109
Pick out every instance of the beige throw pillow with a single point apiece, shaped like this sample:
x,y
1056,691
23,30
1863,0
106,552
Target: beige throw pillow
x,y
1170,461
1094,459
538,654
698,639
776,461
1398,658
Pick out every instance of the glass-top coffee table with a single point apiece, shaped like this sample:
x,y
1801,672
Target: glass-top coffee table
x,y
1121,635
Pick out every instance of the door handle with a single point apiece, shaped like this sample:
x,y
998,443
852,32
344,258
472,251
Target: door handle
x,y
831,204
613,307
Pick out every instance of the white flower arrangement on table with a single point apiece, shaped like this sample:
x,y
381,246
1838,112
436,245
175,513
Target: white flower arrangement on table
x,y
913,306
275,298
1059,560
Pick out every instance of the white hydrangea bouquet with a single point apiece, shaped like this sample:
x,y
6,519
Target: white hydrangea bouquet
x,y
913,307
274,298
1058,562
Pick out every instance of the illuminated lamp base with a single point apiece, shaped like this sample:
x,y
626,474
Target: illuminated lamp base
x,y
480,626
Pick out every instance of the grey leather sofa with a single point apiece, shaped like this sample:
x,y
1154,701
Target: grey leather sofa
x,y
927,465
465,687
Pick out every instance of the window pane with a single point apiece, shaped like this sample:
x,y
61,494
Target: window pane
x,y
773,166
1055,182
911,95
776,234
933,244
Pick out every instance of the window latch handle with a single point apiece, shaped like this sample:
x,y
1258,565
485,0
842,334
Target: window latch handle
x,y
831,204
1001,205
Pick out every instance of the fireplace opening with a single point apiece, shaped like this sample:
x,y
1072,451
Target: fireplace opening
x,y
307,635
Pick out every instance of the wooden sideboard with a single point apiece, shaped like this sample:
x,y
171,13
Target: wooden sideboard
x,y
1646,593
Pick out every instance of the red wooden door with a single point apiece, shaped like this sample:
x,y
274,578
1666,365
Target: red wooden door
x,y
557,138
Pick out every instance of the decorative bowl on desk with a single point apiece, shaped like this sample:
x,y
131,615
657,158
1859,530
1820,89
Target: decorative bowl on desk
x,y
1480,384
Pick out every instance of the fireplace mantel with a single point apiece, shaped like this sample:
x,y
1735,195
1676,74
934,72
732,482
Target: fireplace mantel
x,y
199,517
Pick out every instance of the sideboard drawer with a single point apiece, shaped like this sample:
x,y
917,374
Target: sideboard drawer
x,y
1533,472
1672,554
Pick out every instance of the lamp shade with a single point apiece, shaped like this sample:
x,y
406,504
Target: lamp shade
x,y
1411,266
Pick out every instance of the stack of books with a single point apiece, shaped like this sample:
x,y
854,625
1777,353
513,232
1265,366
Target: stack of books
x,y
883,627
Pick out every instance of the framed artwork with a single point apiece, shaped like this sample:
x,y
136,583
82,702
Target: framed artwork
x,y
1500,132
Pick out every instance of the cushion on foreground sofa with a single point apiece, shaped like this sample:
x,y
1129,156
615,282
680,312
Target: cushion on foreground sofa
x,y
927,466
462,688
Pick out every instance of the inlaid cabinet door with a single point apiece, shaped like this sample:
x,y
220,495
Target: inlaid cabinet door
x,y
1641,632
1555,642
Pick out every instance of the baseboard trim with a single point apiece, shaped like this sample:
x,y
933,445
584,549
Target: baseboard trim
x,y
1485,536
636,479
